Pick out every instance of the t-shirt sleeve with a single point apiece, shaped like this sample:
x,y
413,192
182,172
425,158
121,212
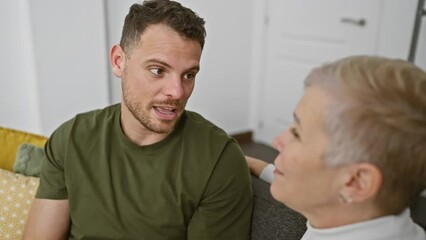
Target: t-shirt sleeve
x,y
267,173
52,178
225,210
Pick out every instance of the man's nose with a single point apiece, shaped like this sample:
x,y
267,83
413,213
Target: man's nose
x,y
174,88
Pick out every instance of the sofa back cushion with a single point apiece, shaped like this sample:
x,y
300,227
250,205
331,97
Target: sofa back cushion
x,y
10,140
273,220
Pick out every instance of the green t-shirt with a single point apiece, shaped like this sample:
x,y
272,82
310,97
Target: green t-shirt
x,y
194,184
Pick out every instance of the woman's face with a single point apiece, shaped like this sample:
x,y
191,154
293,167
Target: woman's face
x,y
302,181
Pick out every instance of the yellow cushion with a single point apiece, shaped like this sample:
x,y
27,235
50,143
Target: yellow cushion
x,y
16,196
10,140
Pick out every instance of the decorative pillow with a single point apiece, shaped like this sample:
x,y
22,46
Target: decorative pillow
x,y
16,196
28,160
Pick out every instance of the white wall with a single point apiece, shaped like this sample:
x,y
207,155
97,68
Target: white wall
x,y
54,62
18,86
222,91
69,40
55,58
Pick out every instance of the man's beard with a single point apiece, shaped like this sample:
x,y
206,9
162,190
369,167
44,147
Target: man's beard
x,y
141,113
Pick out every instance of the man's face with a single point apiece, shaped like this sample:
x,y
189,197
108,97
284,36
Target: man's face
x,y
302,181
159,76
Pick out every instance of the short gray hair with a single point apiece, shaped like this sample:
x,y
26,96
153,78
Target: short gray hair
x,y
379,117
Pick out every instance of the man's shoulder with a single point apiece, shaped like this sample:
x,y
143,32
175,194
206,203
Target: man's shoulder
x,y
91,120
95,114
196,123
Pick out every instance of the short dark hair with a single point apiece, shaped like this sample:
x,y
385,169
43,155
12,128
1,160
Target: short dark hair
x,y
181,19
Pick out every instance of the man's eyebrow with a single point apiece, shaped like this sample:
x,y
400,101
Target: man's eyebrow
x,y
194,68
296,118
158,61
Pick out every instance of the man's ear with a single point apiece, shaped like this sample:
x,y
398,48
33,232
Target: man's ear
x,y
117,58
362,183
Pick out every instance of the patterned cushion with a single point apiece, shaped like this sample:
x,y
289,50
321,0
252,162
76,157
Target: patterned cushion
x,y
16,195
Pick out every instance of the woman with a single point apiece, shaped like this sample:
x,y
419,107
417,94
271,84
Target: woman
x,y
353,159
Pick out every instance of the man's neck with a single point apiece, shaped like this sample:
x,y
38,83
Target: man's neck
x,y
135,131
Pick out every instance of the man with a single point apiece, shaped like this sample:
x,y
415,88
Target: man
x,y
145,168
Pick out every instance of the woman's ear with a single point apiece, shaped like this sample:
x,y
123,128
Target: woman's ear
x,y
117,59
362,183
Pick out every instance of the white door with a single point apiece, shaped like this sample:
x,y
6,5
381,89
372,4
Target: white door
x,y
300,35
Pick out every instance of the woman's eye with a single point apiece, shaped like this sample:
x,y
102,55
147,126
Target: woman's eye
x,y
295,133
156,71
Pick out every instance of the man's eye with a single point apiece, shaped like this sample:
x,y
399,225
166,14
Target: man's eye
x,y
295,133
156,71
189,76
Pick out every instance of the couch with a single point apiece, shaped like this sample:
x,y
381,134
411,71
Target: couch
x,y
16,190
270,220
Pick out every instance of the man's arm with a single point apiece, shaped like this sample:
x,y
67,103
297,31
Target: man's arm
x,y
225,210
48,219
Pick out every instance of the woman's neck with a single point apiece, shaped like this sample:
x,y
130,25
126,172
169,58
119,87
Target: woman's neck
x,y
343,214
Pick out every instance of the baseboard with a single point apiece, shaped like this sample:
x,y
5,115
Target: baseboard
x,y
244,137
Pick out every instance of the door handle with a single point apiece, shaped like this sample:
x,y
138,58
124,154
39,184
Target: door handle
x,y
359,22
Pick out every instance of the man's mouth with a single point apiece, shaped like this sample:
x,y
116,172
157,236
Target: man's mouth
x,y
166,112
